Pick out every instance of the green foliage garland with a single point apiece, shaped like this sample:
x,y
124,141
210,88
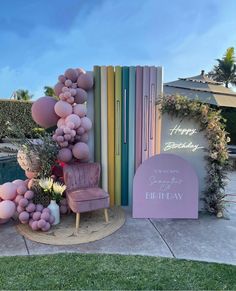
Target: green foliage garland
x,y
212,123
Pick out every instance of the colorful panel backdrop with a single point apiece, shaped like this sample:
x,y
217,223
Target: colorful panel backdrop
x,y
126,122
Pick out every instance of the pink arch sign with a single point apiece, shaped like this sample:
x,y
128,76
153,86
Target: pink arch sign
x,y
165,186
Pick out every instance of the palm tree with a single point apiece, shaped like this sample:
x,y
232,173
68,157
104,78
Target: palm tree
x,y
48,91
22,95
225,70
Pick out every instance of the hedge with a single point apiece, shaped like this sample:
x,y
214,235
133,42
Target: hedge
x,y
15,116
230,115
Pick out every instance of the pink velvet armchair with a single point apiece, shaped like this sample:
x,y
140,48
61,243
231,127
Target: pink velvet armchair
x,y
83,192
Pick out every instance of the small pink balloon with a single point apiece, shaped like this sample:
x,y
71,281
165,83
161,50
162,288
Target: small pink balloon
x,y
31,207
71,74
41,223
63,109
39,207
85,81
64,144
7,209
47,210
43,112
84,137
18,182
62,96
60,138
73,118
34,225
46,227
29,195
80,110
30,222
64,155
71,100
18,198
70,125
74,86
20,209
59,131
24,216
80,130
58,88
67,137
61,122
62,79
72,92
21,189
30,183
8,191
80,151
68,83
65,89
23,202
73,133
86,123
63,209
80,71
67,94
81,96
51,219
36,216
45,216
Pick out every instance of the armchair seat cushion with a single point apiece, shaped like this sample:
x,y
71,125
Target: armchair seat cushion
x,y
87,194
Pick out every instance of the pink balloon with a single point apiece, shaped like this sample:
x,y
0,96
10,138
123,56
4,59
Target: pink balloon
x,y
73,118
72,92
63,202
39,207
20,209
59,131
63,209
34,225
51,219
84,137
80,130
85,81
81,96
31,207
80,71
68,83
45,216
63,109
65,89
61,122
41,223
58,88
23,202
7,209
8,191
31,183
60,138
21,190
36,216
46,227
80,151
62,96
47,210
43,112
30,222
86,123
64,155
64,144
80,110
71,100
18,198
18,182
74,85
24,216
67,94
71,74
62,79
67,137
29,195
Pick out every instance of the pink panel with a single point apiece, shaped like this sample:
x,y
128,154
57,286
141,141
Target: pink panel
x,y
165,186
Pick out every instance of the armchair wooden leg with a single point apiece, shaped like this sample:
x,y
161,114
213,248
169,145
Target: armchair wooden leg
x,y
106,215
77,220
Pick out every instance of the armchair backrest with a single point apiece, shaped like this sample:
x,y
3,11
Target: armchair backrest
x,y
81,176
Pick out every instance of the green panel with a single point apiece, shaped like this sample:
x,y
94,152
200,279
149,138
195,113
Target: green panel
x,y
131,143
118,111
124,135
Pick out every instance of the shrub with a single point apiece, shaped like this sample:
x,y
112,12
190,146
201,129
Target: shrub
x,y
16,116
230,115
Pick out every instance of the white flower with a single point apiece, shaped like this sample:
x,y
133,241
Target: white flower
x,y
58,188
46,183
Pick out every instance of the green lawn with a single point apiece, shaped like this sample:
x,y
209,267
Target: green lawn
x,y
76,271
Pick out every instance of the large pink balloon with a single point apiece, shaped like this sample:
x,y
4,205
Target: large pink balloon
x,y
63,109
71,74
7,209
64,155
80,151
43,112
81,96
58,88
86,123
85,81
73,118
80,110
8,191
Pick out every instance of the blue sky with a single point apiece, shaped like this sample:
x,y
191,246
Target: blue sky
x,y
39,39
